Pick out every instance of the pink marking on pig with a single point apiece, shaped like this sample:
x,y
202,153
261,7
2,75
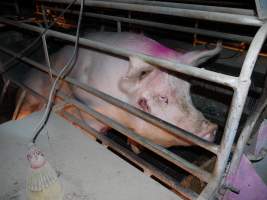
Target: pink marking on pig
x,y
160,51
150,47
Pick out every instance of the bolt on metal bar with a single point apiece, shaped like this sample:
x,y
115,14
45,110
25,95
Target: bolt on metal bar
x,y
180,12
228,36
236,109
177,160
131,109
223,79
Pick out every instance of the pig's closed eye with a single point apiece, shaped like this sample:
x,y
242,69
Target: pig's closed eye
x,y
143,74
163,99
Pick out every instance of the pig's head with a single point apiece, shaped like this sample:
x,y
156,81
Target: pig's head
x,y
167,96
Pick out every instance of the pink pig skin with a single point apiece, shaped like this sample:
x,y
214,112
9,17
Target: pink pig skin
x,y
138,83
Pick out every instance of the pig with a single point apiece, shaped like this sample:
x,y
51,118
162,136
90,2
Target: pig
x,y
150,88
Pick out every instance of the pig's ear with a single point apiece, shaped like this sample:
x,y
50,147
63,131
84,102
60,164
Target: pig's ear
x,y
195,58
138,68
137,71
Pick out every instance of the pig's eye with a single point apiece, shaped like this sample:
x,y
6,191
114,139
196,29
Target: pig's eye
x,y
143,74
163,99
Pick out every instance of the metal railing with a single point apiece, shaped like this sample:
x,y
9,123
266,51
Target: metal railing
x,y
119,19
239,84
179,11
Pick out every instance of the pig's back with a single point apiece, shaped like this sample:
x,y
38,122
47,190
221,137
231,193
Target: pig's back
x,y
103,71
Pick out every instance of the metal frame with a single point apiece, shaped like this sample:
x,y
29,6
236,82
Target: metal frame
x,y
216,34
240,85
261,8
207,14
149,169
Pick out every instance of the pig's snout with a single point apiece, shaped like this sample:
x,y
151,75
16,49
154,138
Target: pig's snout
x,y
208,131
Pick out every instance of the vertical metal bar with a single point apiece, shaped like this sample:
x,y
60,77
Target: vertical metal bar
x,y
47,55
4,90
195,34
237,106
118,26
259,40
19,104
45,44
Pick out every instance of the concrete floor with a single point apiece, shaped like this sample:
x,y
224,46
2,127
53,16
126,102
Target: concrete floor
x,y
88,170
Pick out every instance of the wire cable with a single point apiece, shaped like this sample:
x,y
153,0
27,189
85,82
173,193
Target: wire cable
x,y
22,52
65,70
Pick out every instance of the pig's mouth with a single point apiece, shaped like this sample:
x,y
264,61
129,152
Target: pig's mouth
x,y
142,102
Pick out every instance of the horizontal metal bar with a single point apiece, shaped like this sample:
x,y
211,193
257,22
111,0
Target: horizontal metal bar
x,y
143,115
24,87
173,158
202,73
148,168
123,151
198,172
188,13
215,34
240,11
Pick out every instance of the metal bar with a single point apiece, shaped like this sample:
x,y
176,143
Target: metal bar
x,y
245,134
171,182
215,34
143,115
24,87
4,90
195,170
247,71
168,180
261,6
164,153
202,73
253,53
237,106
47,59
239,11
188,13
123,151
19,104
118,26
